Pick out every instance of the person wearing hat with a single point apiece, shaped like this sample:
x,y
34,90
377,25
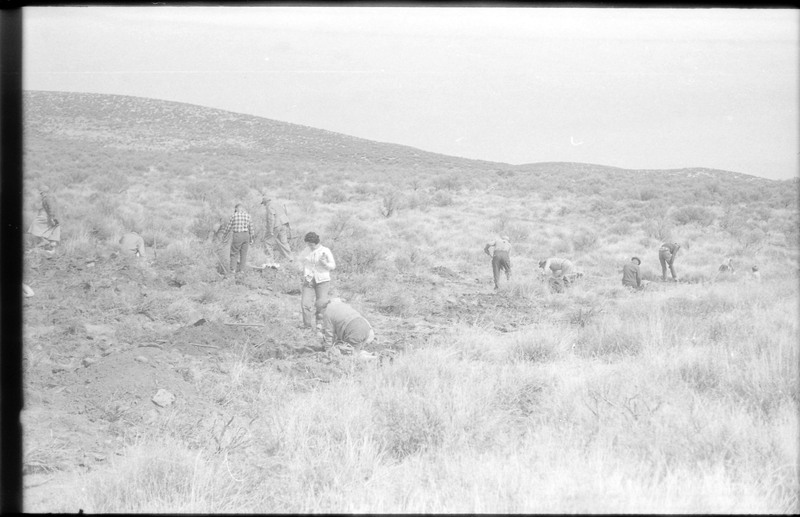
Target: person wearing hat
x,y
666,255
317,263
46,228
242,227
277,233
343,325
630,274
756,273
500,260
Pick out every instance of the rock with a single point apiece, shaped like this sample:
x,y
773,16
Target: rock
x,y
88,361
100,332
141,359
163,398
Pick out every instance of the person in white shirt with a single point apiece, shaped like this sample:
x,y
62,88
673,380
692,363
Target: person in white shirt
x,y
317,263
563,272
500,258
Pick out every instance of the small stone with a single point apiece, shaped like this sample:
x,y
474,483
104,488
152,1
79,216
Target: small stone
x,y
88,361
141,359
163,398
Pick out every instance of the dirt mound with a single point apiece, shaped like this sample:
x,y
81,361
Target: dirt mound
x,y
123,384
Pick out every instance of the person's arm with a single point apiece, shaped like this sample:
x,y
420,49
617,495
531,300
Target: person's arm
x,y
675,252
140,247
50,209
227,229
326,260
638,278
250,230
486,248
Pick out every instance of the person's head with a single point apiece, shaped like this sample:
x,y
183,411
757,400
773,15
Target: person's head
x,y
636,259
505,238
44,189
238,208
542,263
312,239
755,268
266,199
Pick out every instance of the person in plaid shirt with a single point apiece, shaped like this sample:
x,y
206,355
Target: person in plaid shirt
x,y
243,235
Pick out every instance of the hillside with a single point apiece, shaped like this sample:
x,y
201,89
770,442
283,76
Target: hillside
x,y
159,385
146,133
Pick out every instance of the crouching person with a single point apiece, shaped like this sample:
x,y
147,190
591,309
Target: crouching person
x,y
630,275
343,326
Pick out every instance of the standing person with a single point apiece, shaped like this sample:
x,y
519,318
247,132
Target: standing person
x,y
342,324
46,228
666,255
317,263
242,227
500,259
630,274
132,243
278,231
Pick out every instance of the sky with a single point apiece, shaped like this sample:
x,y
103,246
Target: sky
x,y
634,88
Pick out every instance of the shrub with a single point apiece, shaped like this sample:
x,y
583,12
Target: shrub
x,y
391,203
407,425
333,194
752,239
451,182
442,198
357,256
584,239
341,225
647,194
396,302
659,228
419,199
693,214
620,228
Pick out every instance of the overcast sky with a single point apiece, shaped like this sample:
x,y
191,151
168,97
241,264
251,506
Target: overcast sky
x,y
632,88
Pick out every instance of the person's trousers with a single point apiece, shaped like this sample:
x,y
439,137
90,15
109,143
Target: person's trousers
x,y
666,259
310,293
280,240
500,263
239,246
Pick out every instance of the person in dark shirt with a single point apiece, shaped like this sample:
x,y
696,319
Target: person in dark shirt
x,y
630,274
666,255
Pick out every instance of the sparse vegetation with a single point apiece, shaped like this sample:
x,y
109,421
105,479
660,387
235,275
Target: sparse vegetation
x,y
682,398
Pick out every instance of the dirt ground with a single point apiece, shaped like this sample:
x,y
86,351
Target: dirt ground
x,y
105,355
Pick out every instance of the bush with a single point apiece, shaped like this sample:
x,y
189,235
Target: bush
x,y
332,194
442,198
620,228
407,425
391,203
357,256
693,214
584,239
659,228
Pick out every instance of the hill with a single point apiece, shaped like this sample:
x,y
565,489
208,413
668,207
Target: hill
x,y
159,385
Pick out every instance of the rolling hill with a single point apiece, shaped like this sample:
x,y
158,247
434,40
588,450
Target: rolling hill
x,y
143,133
